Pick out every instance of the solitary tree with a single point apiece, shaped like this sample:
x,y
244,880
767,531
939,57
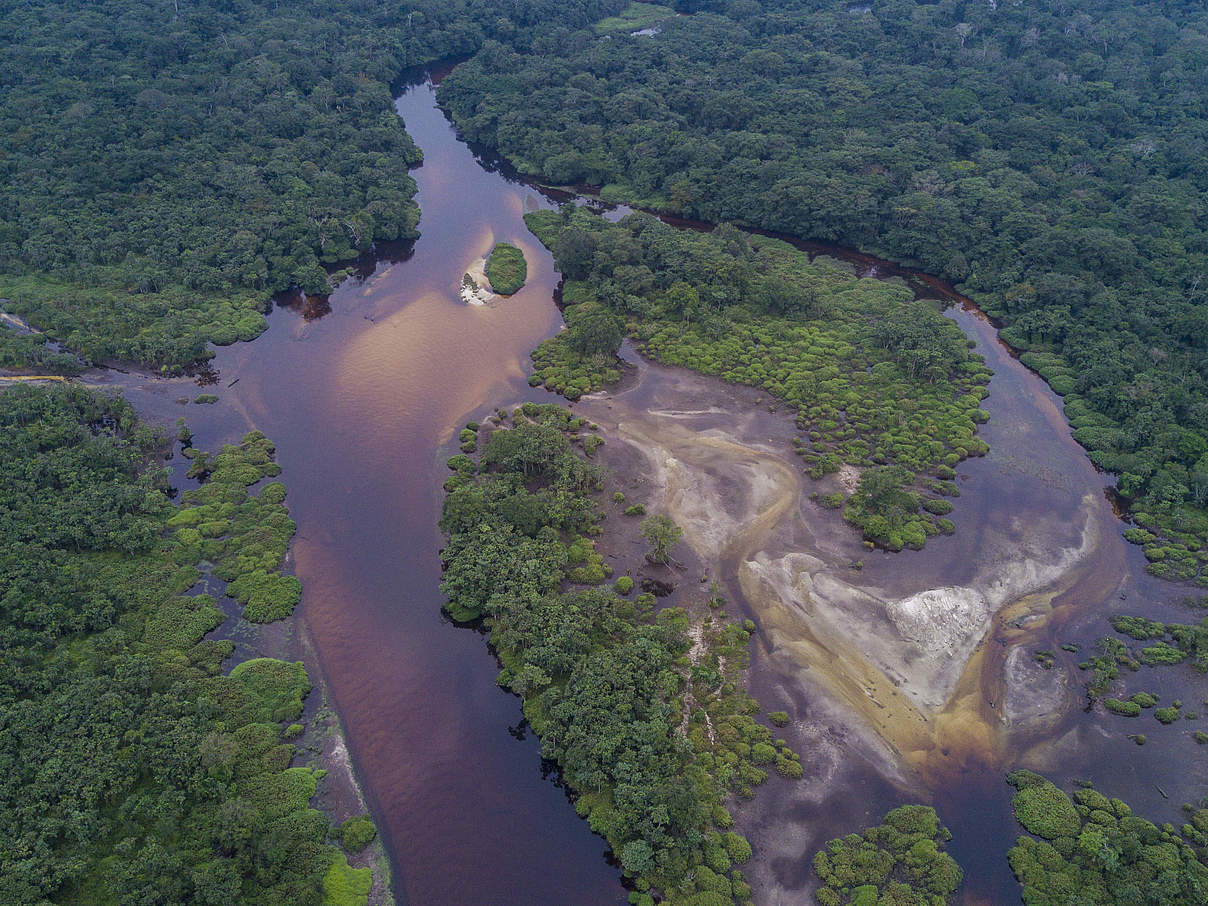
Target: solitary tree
x,y
662,534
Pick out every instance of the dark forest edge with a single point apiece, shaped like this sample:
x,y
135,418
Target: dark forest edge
x,y
879,382
643,709
182,163
137,769
1034,155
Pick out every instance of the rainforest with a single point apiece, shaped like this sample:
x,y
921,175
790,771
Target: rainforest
x,y
705,452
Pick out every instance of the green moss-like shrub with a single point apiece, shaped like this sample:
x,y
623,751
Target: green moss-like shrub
x,y
344,885
1167,715
506,269
623,585
1042,808
357,832
900,861
1123,708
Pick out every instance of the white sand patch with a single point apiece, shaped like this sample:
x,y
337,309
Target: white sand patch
x,y
475,288
1033,694
940,620
849,478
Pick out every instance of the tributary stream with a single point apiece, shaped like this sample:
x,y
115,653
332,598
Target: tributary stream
x,y
363,401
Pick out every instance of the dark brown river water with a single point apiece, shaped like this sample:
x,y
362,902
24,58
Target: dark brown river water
x,y
363,403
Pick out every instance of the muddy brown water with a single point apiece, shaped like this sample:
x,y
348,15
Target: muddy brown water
x,y
364,394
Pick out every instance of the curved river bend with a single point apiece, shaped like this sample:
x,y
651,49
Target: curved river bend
x,y
363,397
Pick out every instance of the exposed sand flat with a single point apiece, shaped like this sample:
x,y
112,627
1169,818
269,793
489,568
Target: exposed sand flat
x,y
915,667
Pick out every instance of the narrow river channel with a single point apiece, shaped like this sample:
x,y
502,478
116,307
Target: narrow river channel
x,y
363,396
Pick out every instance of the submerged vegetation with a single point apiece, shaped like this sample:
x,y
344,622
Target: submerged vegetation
x,y
134,769
643,711
898,863
878,380
1045,157
506,269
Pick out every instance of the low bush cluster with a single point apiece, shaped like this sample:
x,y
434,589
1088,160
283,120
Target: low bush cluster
x,y
899,862
1091,849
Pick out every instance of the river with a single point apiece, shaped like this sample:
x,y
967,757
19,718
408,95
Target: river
x,y
363,396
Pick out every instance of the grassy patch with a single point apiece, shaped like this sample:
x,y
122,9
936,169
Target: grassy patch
x,y
633,18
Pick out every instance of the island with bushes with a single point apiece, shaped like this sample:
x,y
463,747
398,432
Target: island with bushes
x,y
506,269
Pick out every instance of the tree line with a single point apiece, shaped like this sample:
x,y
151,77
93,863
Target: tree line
x,y
166,167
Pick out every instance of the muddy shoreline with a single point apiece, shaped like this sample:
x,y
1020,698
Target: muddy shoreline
x,y
910,677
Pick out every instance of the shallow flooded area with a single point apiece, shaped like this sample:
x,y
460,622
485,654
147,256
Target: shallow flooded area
x,y
907,676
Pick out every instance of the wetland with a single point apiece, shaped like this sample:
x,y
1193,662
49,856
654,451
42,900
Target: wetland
x,y
904,677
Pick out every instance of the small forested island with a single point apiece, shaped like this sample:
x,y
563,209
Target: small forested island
x,y
506,269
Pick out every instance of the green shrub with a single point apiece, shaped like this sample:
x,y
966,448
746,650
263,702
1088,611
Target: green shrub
x,y
506,269
623,585
357,832
1167,715
344,885
1046,811
1123,708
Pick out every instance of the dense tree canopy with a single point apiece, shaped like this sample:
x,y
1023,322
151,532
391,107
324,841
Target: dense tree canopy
x,y
132,768
167,166
1047,156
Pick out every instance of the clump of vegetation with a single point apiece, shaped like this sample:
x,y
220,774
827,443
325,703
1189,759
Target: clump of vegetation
x,y
1167,715
102,651
506,269
205,399
899,861
662,535
644,711
244,535
582,358
1123,708
357,832
1092,849
877,378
